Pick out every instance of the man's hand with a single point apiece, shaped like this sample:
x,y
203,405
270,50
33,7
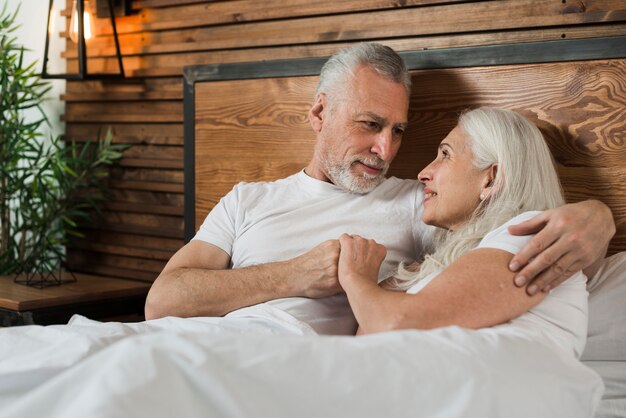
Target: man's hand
x,y
316,270
569,238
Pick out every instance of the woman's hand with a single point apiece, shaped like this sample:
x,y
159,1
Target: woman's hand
x,y
359,259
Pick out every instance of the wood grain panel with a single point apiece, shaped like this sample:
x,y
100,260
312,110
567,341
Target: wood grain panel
x,y
115,265
155,163
141,4
169,64
207,14
441,19
580,107
259,138
128,85
147,174
148,253
133,241
146,185
97,268
140,224
125,97
140,111
154,152
134,263
143,208
147,197
136,133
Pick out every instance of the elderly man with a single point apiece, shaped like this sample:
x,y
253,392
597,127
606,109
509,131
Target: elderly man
x,y
276,244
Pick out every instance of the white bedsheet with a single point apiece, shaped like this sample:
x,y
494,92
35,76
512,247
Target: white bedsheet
x,y
259,365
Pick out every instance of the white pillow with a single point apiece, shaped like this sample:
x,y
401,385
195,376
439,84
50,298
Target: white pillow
x,y
606,337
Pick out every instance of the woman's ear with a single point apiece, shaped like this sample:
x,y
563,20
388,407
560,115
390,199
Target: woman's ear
x,y
489,182
316,114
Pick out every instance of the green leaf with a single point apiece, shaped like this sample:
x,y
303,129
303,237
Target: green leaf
x,y
69,221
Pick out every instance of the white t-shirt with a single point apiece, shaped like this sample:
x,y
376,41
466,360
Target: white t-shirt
x,y
562,315
259,223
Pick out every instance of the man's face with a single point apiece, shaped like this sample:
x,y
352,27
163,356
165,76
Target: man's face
x,y
359,132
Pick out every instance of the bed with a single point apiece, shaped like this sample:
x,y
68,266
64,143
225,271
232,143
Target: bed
x,y
253,363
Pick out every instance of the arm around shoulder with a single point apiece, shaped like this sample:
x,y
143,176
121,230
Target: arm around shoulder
x,y
568,238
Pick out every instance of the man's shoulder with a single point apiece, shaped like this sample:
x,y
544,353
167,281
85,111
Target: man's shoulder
x,y
254,191
260,185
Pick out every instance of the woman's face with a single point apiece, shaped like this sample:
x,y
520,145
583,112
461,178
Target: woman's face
x,y
452,185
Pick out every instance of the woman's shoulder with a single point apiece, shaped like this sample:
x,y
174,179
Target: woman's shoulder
x,y
501,238
524,216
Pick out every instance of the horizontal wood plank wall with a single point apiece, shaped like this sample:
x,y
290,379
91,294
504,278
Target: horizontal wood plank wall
x,y
142,224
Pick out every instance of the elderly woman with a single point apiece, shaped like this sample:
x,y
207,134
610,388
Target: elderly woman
x,y
493,170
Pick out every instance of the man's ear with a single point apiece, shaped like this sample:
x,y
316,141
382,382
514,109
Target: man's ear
x,y
489,185
316,114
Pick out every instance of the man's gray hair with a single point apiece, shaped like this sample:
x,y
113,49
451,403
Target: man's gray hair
x,y
382,59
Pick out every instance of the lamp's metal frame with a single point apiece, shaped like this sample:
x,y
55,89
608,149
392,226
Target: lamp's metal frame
x,y
83,73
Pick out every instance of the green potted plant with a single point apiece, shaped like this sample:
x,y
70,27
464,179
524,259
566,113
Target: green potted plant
x,y
48,188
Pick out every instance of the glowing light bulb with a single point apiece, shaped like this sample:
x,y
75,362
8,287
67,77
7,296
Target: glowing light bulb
x,y
88,23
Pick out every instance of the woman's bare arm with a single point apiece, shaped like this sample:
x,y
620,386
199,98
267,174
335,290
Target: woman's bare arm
x,y
476,291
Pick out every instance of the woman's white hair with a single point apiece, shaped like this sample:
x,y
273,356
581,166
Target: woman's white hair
x,y
341,66
525,180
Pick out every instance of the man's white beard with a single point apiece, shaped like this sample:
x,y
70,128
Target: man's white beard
x,y
341,176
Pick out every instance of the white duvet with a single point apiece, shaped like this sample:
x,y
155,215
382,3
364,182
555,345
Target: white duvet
x,y
261,366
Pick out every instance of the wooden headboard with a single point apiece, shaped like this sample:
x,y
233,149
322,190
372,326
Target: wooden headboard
x,y
248,121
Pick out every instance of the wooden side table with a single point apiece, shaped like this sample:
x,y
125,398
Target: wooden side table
x,y
95,297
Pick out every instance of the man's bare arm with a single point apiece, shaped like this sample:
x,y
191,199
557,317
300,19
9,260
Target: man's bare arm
x,y
197,281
